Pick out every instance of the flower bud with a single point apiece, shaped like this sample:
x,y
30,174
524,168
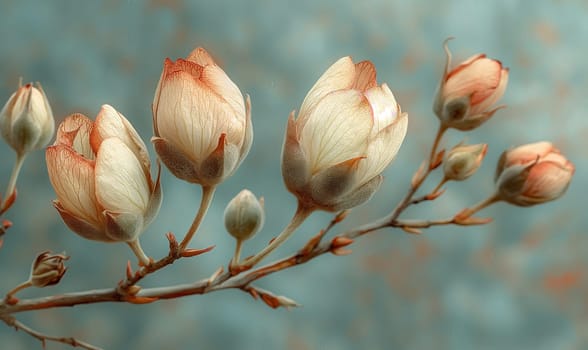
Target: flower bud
x,y
201,122
467,92
101,173
533,174
348,130
244,215
47,269
26,121
463,161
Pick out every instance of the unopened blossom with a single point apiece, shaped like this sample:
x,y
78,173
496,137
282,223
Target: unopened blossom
x,y
347,132
532,174
201,122
101,174
463,161
467,92
26,120
244,215
47,269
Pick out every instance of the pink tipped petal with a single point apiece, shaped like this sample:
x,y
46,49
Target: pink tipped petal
x,y
340,75
201,57
219,82
337,129
74,132
478,80
120,181
464,65
192,117
72,177
494,96
365,76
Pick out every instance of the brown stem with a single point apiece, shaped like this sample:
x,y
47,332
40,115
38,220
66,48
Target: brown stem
x,y
43,338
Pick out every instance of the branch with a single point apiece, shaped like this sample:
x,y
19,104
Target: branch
x,y
43,338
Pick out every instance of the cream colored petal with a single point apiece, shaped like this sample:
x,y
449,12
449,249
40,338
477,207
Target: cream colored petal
x,y
201,57
382,149
193,117
48,121
340,75
337,129
72,177
74,131
222,85
121,185
111,123
383,105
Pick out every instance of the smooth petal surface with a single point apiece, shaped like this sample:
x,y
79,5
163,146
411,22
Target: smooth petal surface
x,y
121,185
382,149
72,177
340,75
111,123
192,116
219,82
337,129
384,106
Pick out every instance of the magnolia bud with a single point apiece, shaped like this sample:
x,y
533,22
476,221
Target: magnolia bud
x,y
463,161
533,174
47,269
244,215
468,91
26,121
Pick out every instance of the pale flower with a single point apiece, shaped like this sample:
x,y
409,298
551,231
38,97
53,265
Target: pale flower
x,y
26,121
101,174
201,122
468,91
533,174
347,132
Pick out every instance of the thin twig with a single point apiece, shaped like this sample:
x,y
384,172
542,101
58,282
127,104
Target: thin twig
x,y
43,338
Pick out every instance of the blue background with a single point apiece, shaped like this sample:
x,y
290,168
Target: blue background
x,y
517,283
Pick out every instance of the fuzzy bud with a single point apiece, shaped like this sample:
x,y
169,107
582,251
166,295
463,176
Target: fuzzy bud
x,y
47,269
244,215
468,91
463,161
533,174
26,121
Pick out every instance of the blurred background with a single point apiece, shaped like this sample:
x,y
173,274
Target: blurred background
x,y
518,283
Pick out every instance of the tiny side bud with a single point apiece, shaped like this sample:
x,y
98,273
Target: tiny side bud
x,y
47,269
244,215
